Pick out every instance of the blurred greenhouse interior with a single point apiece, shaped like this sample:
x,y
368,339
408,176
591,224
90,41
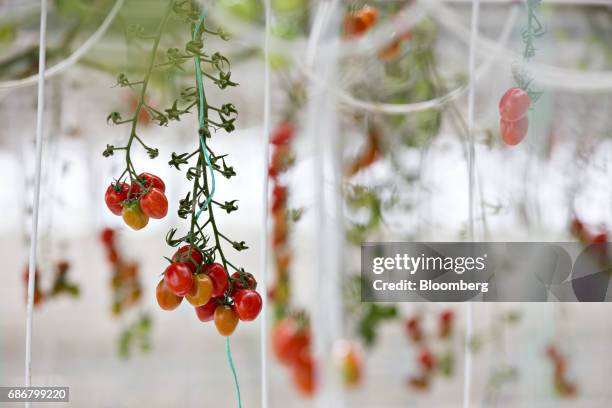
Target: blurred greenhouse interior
x,y
234,155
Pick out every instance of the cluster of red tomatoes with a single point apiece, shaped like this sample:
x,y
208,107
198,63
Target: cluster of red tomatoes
x,y
586,236
513,109
563,386
282,160
60,285
209,288
125,281
427,362
359,22
291,346
137,202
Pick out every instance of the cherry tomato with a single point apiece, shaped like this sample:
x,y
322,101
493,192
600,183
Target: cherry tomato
x,y
303,373
154,204
243,280
134,217
207,312
247,303
427,360
218,275
115,195
279,197
226,320
149,181
281,160
514,132
350,362
201,291
288,340
361,21
107,236
165,298
514,104
282,134
413,327
190,256
179,278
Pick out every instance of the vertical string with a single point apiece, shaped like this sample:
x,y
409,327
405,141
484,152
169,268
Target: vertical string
x,y
228,352
202,124
198,71
264,213
40,109
467,369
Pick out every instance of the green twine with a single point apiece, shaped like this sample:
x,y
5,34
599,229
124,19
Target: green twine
x,y
198,71
231,363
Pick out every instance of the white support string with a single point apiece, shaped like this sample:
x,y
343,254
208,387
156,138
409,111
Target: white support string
x,y
73,58
467,368
264,215
40,112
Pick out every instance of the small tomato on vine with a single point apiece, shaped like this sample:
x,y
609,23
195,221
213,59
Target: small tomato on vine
x,y
115,195
226,320
154,203
178,278
134,217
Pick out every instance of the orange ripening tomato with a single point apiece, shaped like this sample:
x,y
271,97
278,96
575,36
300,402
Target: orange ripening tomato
x,y
358,23
165,298
202,290
226,320
134,217
303,374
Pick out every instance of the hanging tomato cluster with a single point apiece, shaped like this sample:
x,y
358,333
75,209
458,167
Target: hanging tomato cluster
x,y
563,386
208,287
125,280
513,108
358,22
282,159
291,343
61,285
144,198
428,363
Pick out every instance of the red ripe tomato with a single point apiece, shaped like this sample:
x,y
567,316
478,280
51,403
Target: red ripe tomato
x,y
178,278
154,204
514,104
165,298
247,304
514,132
303,373
190,256
218,274
134,217
116,194
107,236
427,360
243,280
147,180
279,197
288,341
226,320
207,312
282,134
